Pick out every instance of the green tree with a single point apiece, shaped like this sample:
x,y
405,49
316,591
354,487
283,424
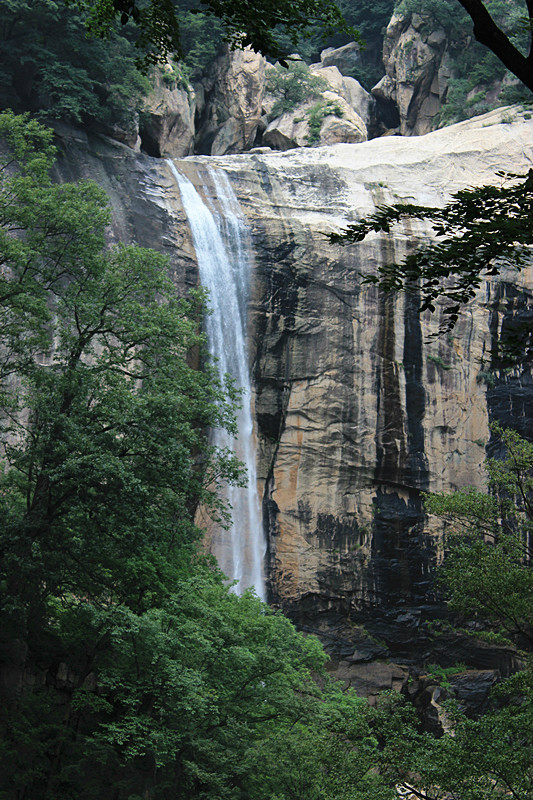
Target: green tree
x,y
488,580
292,86
50,66
103,420
159,23
103,424
487,572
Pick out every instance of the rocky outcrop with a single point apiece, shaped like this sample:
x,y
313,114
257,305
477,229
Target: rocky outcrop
x,y
336,122
167,128
234,94
358,410
417,71
229,109
349,89
333,109
346,58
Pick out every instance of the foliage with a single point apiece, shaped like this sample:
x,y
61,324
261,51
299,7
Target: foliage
x,y
291,86
102,427
101,411
159,23
316,116
187,692
201,37
487,571
477,759
50,65
478,233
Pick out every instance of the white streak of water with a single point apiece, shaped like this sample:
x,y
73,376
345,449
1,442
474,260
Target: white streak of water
x,y
220,241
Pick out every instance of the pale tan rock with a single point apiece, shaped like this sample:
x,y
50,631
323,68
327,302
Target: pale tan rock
x,y
292,128
168,126
350,89
334,361
233,104
416,78
349,127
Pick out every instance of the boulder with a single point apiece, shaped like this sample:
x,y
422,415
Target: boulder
x,y
345,58
233,103
167,129
351,90
292,129
417,73
349,127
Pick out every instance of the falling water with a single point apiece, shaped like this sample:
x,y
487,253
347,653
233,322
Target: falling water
x,y
219,237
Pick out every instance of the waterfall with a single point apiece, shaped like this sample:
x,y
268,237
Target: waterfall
x,y
220,241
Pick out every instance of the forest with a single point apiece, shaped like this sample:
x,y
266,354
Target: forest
x,y
129,670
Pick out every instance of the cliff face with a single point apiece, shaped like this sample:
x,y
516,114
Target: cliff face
x,y
357,410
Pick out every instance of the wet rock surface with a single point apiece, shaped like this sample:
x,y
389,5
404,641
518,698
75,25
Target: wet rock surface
x,y
357,409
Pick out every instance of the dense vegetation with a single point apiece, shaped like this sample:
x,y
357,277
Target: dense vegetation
x,y
49,64
488,578
128,669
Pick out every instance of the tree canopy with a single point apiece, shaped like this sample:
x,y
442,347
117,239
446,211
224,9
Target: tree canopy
x,y
488,581
159,27
489,33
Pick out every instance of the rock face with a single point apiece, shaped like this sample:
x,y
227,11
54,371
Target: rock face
x,y
234,97
417,73
168,127
357,409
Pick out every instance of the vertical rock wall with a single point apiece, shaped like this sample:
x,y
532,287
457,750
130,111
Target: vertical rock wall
x,y
357,409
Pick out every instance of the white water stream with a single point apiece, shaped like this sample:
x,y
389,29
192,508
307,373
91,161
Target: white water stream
x,y
220,240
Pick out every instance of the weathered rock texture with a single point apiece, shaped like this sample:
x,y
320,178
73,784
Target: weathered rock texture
x,y
354,113
357,410
292,129
168,128
416,73
234,97
345,58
